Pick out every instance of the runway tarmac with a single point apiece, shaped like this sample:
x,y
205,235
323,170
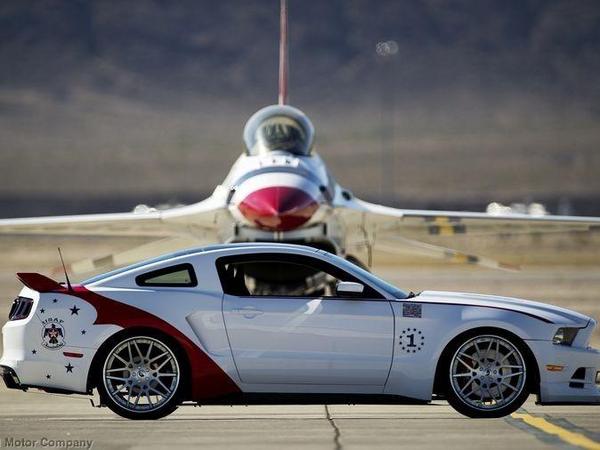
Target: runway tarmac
x,y
34,417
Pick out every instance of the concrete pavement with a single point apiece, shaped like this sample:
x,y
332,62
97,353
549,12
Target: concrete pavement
x,y
37,416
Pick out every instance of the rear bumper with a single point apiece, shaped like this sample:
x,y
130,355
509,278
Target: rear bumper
x,y
22,368
576,383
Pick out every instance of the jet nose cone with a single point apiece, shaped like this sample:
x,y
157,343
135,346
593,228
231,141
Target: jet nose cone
x,y
278,208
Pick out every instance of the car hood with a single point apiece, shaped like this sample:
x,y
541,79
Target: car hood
x,y
549,313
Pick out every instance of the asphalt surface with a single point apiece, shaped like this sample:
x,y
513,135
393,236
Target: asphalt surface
x,y
54,420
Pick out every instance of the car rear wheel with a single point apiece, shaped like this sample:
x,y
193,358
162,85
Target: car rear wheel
x,y
141,378
487,376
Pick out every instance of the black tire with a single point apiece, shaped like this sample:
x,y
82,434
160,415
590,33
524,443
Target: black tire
x,y
496,389
141,377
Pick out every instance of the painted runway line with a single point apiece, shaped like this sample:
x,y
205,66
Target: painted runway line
x,y
552,430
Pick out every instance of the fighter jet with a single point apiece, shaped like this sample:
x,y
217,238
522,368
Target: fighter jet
x,y
279,189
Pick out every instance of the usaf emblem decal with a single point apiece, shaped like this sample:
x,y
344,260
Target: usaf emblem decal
x,y
53,334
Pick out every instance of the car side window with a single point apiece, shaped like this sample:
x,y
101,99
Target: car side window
x,y
180,275
279,275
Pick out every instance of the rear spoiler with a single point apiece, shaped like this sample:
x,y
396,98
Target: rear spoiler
x,y
39,282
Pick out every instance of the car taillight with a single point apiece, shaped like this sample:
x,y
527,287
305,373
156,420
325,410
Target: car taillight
x,y
20,308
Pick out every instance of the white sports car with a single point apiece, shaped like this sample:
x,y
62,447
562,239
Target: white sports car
x,y
250,323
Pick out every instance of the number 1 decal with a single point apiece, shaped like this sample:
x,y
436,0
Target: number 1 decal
x,y
411,340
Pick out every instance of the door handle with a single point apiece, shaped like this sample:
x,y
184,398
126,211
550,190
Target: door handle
x,y
249,312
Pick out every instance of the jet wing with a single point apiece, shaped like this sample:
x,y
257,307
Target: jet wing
x,y
119,224
197,219
419,223
390,230
167,230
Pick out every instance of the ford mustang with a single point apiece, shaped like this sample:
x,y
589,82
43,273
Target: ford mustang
x,y
253,323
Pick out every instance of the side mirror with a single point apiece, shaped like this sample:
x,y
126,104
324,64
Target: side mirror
x,y
349,289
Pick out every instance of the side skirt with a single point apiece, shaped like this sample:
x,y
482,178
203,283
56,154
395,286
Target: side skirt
x,y
311,399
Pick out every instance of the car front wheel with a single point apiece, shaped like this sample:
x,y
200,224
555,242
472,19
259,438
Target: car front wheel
x,y
141,378
487,376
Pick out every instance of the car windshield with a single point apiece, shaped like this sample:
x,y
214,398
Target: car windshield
x,y
369,277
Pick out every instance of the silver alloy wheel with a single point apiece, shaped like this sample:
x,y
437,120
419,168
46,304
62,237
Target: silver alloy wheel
x,y
141,374
487,372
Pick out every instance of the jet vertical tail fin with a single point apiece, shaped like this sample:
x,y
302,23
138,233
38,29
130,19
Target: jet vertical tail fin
x,y
283,54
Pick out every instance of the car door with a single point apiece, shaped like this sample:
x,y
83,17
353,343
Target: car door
x,y
286,325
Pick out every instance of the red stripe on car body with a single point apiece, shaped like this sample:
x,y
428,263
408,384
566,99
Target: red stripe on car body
x,y
208,380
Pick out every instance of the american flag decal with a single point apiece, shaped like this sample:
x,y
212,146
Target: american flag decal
x,y
412,310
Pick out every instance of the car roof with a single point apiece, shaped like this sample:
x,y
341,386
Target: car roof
x,y
275,246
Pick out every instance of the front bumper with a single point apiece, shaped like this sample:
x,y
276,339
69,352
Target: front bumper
x,y
576,382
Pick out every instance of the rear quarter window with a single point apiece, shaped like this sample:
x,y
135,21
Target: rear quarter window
x,y
180,275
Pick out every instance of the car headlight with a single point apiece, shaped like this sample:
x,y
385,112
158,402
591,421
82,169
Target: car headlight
x,y
565,336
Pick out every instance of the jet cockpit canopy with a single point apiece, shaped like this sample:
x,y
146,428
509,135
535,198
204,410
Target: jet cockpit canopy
x,y
279,128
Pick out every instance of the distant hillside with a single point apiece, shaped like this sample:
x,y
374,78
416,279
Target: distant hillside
x,y
147,99
229,47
